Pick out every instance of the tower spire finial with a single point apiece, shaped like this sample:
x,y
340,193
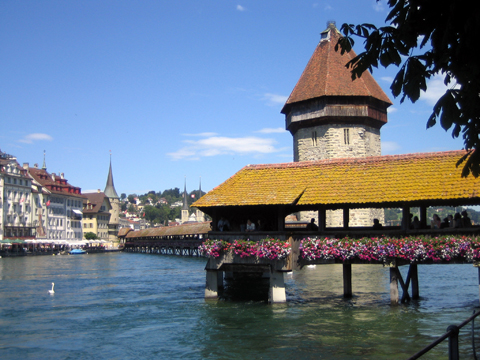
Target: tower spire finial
x,y
44,166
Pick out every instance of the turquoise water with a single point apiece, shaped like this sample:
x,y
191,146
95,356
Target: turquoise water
x,y
140,306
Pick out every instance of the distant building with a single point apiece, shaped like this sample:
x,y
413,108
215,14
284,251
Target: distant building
x,y
57,205
96,214
15,200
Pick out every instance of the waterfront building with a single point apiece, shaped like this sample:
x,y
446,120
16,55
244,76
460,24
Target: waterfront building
x,y
57,204
115,206
15,199
330,116
96,214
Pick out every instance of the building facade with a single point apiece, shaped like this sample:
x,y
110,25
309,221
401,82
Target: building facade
x,y
330,116
96,215
57,205
15,200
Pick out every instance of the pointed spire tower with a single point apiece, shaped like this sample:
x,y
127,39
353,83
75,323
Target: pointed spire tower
x,y
112,196
200,214
332,116
44,166
110,187
328,114
185,203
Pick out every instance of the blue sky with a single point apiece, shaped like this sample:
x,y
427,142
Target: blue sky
x,y
172,89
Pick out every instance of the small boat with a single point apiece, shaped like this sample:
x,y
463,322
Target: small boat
x,y
77,252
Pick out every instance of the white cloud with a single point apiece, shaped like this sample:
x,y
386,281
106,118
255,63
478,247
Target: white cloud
x,y
30,138
391,110
435,89
204,134
278,130
222,145
240,8
388,79
378,6
275,98
390,147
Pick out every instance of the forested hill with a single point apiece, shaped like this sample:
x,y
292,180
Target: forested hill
x,y
158,207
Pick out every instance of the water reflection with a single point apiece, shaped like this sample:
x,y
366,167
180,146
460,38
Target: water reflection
x,y
131,306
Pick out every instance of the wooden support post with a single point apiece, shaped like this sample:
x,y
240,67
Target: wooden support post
x,y
478,267
294,253
405,295
393,285
347,280
414,277
276,293
322,215
220,280
346,218
423,217
406,218
211,286
281,219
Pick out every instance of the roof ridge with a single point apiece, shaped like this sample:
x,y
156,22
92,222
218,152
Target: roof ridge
x,y
367,159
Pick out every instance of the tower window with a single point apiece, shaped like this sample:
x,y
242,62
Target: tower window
x,y
346,136
314,138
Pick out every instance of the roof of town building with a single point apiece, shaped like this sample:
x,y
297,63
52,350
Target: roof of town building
x,y
96,199
56,184
355,182
326,75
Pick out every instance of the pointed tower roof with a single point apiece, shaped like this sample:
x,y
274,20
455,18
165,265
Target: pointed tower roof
x,y
327,80
44,166
326,74
185,203
110,188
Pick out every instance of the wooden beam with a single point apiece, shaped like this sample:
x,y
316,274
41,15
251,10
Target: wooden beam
x,y
346,217
393,285
347,280
405,218
322,215
414,276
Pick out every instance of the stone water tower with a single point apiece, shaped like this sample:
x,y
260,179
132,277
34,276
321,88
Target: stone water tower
x,y
330,116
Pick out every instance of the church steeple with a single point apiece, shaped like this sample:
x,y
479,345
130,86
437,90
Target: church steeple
x,y
185,209
44,166
110,188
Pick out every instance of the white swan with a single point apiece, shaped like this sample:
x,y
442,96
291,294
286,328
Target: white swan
x,y
52,291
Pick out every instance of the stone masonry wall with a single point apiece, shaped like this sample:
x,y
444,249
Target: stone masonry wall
x,y
335,141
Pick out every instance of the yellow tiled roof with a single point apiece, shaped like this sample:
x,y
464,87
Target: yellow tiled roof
x,y
186,229
379,179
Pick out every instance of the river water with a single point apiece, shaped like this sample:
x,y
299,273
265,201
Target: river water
x,y
142,306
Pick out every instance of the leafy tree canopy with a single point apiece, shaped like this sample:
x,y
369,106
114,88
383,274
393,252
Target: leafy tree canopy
x,y
90,236
426,38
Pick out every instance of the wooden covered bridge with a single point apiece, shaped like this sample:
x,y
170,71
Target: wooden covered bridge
x,y
181,240
271,192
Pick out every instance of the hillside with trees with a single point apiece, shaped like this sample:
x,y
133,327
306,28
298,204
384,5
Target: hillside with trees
x,y
158,207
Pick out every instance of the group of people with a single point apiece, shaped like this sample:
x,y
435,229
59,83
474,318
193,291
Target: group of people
x,y
456,221
224,225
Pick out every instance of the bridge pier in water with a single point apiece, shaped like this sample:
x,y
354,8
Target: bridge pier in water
x,y
216,268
